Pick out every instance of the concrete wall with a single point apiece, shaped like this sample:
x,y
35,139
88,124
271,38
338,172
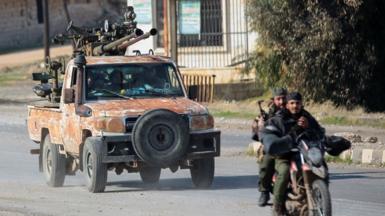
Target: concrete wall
x,y
237,91
19,20
222,75
230,83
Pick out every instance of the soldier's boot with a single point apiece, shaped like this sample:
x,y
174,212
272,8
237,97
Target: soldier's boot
x,y
279,209
264,198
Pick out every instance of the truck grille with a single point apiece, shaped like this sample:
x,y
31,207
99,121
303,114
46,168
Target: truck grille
x,y
130,122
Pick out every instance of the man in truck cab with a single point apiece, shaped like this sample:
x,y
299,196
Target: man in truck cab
x,y
95,81
116,81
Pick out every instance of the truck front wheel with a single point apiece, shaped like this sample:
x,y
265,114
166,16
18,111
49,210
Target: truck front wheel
x,y
94,169
53,163
202,172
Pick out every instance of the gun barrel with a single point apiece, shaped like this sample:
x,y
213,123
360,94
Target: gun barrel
x,y
124,45
99,50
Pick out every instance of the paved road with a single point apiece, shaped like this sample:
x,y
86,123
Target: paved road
x,y
355,191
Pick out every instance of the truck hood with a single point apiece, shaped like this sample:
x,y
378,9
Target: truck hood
x,y
135,107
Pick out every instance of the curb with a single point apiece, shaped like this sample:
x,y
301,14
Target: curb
x,y
356,155
365,156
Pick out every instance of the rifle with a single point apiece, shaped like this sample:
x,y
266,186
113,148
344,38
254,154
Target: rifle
x,y
255,128
263,114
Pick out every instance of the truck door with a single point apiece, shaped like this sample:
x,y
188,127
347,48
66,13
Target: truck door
x,y
71,132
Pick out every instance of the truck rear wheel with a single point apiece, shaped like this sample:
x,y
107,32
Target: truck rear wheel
x,y
150,175
202,172
94,169
53,163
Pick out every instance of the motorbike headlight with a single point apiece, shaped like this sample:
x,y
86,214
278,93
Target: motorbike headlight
x,y
114,125
315,156
201,122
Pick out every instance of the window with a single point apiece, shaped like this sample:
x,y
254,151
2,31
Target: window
x,y
210,26
74,76
39,7
172,77
132,81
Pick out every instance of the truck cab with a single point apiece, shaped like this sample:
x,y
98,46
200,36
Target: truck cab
x,y
124,113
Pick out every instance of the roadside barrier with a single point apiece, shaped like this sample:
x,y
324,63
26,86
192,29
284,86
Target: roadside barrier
x,y
205,84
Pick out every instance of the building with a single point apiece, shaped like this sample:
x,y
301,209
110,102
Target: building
x,y
21,21
210,33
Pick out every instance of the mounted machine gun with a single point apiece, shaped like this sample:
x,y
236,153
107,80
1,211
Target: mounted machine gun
x,y
110,40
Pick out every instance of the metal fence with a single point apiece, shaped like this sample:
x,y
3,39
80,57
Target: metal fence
x,y
205,84
223,39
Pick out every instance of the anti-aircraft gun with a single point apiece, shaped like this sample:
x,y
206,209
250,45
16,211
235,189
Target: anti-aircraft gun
x,y
109,40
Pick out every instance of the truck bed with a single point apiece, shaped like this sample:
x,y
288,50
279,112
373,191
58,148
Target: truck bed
x,y
42,119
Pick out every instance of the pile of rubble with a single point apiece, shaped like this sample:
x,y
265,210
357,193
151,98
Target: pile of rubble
x,y
358,141
368,150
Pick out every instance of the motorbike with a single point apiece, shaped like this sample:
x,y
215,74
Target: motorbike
x,y
308,192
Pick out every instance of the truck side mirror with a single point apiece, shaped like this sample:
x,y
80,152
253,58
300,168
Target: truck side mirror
x,y
193,92
69,96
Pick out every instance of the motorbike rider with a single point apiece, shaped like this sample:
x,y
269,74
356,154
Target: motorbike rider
x,y
266,167
279,137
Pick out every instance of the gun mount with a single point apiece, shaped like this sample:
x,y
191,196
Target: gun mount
x,y
109,40
45,88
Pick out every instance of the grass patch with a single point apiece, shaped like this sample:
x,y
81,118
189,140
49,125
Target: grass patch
x,y
341,120
10,75
336,120
336,159
326,113
231,114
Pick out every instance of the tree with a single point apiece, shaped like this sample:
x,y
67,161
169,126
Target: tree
x,y
328,49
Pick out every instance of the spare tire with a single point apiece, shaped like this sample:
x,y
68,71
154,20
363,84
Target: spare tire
x,y
160,137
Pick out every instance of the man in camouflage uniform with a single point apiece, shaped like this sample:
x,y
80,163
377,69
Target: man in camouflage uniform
x,y
266,167
279,137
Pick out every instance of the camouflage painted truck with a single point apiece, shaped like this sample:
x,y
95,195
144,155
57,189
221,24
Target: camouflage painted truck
x,y
123,113
114,112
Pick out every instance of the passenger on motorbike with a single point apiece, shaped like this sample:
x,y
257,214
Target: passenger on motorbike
x,y
266,167
279,136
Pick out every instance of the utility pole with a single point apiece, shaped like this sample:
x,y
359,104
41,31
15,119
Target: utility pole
x,y
173,30
165,28
46,29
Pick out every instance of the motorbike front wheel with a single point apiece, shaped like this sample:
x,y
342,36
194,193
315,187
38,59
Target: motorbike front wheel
x,y
322,199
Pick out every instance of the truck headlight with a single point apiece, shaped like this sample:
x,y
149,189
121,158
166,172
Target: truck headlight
x,y
114,125
201,122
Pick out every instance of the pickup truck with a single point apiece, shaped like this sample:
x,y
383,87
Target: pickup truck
x,y
120,113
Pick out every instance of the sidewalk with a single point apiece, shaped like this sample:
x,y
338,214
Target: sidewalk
x,y
25,57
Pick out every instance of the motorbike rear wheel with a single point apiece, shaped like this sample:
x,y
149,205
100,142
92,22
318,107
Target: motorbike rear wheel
x,y
322,199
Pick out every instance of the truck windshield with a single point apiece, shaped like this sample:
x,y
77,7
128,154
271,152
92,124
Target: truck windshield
x,y
132,81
